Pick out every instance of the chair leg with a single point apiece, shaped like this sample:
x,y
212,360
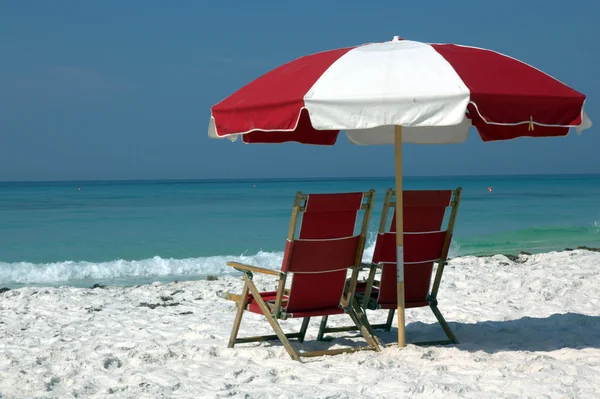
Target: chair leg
x,y
390,319
303,329
272,321
361,321
241,305
322,328
443,323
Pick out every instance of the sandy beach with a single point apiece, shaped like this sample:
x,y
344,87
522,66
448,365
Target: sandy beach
x,y
528,327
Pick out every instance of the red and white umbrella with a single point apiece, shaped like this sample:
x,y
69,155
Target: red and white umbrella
x,y
399,91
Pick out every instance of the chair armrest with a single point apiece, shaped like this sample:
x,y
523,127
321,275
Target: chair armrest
x,y
254,269
229,296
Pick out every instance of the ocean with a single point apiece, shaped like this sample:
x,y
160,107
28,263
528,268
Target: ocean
x,y
135,232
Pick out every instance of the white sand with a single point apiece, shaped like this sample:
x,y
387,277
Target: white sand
x,y
527,329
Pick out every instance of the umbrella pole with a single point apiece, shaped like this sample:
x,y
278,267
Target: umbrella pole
x,y
399,237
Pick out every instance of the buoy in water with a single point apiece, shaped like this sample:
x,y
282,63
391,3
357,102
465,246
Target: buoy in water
x,y
490,189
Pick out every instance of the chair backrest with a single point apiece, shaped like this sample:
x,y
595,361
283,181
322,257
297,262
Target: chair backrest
x,y
325,248
425,242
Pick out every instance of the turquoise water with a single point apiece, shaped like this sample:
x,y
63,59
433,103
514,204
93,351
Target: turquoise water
x,y
131,232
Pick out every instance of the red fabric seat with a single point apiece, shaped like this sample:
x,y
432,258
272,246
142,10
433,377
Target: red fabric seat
x,y
320,257
267,296
270,296
423,216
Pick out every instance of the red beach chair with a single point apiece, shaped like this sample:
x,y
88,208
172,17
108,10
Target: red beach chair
x,y
317,260
425,243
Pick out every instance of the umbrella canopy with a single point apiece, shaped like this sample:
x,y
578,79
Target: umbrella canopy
x,y
436,92
399,91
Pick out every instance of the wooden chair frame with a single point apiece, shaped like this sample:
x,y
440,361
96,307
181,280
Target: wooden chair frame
x,y
274,311
367,302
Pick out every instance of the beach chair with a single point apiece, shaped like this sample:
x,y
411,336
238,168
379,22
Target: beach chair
x,y
425,243
317,261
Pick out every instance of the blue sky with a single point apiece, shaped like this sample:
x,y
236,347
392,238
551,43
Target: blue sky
x,y
123,89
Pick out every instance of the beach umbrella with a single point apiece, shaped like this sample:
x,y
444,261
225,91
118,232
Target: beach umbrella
x,y
399,91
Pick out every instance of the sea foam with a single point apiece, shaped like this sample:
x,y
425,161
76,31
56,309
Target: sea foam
x,y
138,271
71,271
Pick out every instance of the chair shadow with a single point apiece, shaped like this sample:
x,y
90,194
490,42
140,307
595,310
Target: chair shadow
x,y
310,345
567,330
349,339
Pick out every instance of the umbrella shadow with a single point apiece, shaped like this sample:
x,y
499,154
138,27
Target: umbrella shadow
x,y
566,330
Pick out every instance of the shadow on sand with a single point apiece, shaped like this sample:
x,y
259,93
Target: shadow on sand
x,y
567,330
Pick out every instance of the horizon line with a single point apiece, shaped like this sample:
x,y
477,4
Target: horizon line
x,y
293,178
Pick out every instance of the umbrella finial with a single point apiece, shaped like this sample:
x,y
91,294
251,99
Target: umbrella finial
x,y
397,39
